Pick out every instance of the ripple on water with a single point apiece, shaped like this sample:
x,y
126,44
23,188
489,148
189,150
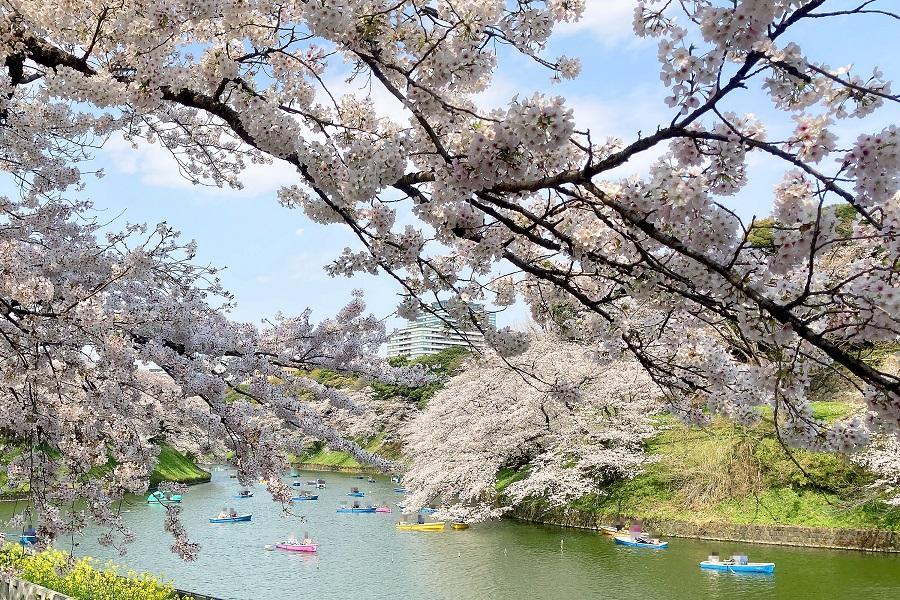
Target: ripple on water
x,y
363,557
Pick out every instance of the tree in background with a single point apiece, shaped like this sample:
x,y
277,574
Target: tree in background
x,y
568,428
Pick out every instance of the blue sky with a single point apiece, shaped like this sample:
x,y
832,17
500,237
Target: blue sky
x,y
274,256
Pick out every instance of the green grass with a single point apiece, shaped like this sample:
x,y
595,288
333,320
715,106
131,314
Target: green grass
x,y
319,456
728,474
174,466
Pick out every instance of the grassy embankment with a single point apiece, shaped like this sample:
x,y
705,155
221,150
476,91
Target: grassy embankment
x,y
442,364
172,466
728,474
175,466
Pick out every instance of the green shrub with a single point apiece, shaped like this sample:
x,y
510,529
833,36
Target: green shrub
x,y
85,578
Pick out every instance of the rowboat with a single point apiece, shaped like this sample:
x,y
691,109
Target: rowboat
x,y
360,476
161,498
608,530
236,519
459,525
383,509
360,509
420,526
301,484
310,482
29,537
400,490
732,567
625,540
302,498
427,510
244,497
356,494
297,547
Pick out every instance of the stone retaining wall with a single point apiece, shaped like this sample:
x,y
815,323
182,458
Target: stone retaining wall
x,y
876,540
363,470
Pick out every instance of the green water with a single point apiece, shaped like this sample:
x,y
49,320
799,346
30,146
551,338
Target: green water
x,y
364,557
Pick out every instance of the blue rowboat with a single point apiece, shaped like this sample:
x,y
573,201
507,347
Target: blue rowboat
x,y
237,519
735,568
357,494
625,540
302,498
361,509
427,510
400,490
301,484
28,538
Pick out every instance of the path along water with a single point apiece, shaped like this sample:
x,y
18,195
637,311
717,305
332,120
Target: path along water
x,y
363,557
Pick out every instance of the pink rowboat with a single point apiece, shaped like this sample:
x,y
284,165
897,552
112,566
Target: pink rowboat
x,y
298,547
383,509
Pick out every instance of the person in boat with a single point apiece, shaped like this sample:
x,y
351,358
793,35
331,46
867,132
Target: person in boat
x,y
635,532
714,557
232,513
223,514
356,504
420,519
307,541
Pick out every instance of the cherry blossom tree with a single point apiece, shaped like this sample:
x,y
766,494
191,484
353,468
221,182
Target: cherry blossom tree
x,y
517,414
506,203
82,311
882,459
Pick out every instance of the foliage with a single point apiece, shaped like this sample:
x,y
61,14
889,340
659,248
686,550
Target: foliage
x,y
85,578
442,365
762,234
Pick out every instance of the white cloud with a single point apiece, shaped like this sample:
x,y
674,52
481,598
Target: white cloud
x,y
308,267
155,166
609,21
299,231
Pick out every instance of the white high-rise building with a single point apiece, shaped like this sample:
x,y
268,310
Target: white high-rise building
x,y
430,333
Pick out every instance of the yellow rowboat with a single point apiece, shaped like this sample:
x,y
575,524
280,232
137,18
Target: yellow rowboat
x,y
420,526
609,530
459,525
